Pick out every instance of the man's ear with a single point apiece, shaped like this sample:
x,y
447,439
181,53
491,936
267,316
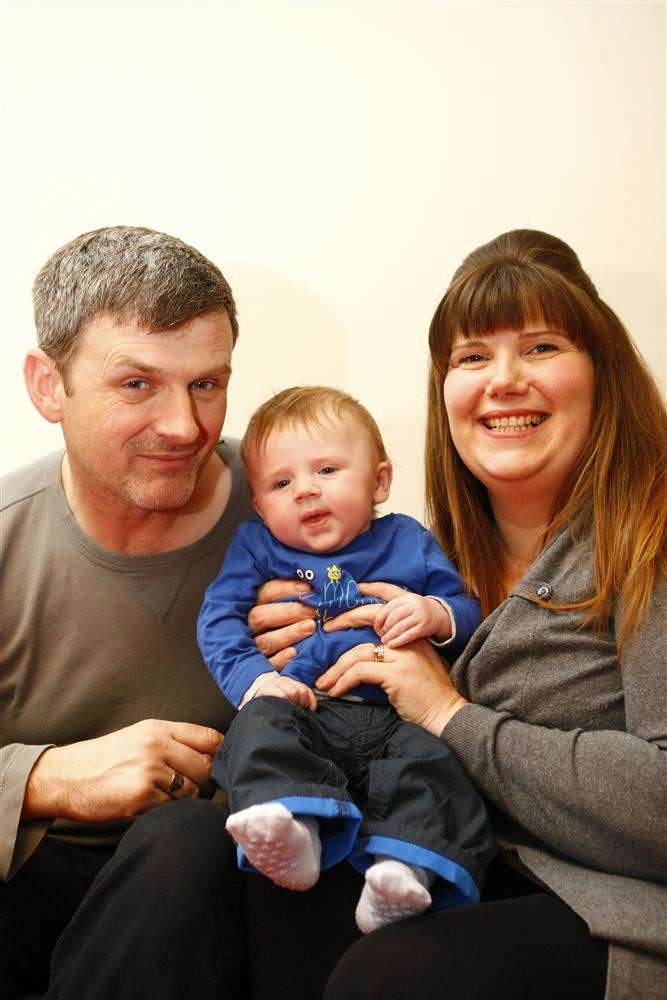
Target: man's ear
x,y
44,384
383,476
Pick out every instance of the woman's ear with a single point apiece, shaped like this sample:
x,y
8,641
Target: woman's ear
x,y
383,477
44,384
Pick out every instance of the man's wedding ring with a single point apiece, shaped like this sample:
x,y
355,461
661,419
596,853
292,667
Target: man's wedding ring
x,y
176,782
378,654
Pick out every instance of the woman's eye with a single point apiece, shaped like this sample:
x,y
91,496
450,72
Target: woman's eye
x,y
543,348
468,359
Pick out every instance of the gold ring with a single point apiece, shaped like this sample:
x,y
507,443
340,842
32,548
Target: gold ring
x,y
378,654
176,782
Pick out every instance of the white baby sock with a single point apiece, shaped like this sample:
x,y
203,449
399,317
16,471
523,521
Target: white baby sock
x,y
285,849
393,891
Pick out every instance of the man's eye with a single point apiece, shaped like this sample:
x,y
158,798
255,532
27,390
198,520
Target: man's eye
x,y
281,484
135,383
326,470
204,383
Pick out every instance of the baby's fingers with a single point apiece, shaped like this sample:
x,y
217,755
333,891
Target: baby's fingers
x,y
411,634
398,613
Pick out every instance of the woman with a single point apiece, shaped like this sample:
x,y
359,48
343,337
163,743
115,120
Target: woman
x,y
545,483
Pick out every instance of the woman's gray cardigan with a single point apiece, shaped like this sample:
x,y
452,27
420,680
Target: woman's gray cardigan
x,y
567,737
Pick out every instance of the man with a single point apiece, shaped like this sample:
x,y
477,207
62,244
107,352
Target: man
x,y
106,708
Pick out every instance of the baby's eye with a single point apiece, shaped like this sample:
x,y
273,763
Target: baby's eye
x,y
281,484
326,470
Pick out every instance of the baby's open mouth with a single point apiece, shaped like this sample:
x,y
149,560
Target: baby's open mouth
x,y
514,423
315,517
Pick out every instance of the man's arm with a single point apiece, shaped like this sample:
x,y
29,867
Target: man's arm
x,y
225,638
120,775
114,777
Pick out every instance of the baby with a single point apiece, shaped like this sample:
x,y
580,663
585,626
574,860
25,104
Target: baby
x,y
298,766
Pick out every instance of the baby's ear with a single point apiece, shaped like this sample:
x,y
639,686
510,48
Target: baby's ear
x,y
383,477
257,510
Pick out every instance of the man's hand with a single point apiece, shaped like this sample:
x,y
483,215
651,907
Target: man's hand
x,y
410,617
276,626
285,687
120,775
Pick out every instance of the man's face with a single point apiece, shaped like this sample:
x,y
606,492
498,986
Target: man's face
x,y
145,410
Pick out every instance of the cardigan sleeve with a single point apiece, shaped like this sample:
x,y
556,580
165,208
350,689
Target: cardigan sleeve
x,y
596,796
226,643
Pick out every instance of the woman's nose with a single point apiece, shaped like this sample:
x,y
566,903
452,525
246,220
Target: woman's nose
x,y
507,376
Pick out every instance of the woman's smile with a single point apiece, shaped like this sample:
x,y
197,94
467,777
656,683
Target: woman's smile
x,y
519,404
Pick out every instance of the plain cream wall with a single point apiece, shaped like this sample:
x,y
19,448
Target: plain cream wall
x,y
337,160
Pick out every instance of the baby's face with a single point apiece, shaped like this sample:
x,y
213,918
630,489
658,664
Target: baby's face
x,y
315,487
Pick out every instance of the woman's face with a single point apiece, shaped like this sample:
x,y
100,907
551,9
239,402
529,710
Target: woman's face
x,y
520,405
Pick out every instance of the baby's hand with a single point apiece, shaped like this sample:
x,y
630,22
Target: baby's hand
x,y
411,616
282,687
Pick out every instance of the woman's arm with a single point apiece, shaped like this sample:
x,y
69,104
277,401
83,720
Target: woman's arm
x,y
596,796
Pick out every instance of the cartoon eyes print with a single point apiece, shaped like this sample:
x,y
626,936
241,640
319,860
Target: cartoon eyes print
x,y
308,574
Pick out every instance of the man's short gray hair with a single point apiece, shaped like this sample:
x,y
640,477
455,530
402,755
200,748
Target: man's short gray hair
x,y
132,274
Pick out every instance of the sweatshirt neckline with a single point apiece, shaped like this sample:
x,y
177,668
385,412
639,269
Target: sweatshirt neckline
x,y
121,561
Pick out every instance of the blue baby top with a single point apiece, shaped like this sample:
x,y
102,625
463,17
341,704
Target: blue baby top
x,y
395,549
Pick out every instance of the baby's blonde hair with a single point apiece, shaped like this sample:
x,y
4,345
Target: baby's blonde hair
x,y
308,406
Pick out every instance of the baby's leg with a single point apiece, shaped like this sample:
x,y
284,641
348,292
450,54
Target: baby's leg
x,y
285,849
393,891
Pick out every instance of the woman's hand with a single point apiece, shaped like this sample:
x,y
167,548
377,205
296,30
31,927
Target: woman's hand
x,y
276,626
416,680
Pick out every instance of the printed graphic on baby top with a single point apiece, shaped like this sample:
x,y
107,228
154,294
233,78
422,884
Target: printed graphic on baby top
x,y
334,590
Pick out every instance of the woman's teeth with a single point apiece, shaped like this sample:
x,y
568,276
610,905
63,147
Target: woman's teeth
x,y
514,423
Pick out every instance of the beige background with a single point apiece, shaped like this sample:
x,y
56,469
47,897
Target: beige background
x,y
337,160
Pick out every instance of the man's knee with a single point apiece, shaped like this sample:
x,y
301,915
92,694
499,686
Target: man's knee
x,y
185,840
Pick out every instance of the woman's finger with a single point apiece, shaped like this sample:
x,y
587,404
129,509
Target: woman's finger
x,y
364,651
365,614
278,590
281,639
360,673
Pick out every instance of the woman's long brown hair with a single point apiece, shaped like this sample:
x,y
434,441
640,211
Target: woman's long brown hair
x,y
618,485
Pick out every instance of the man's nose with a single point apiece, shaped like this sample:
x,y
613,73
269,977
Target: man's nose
x,y
507,376
177,419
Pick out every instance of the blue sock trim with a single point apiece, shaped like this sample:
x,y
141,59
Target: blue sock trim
x,y
335,846
457,886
